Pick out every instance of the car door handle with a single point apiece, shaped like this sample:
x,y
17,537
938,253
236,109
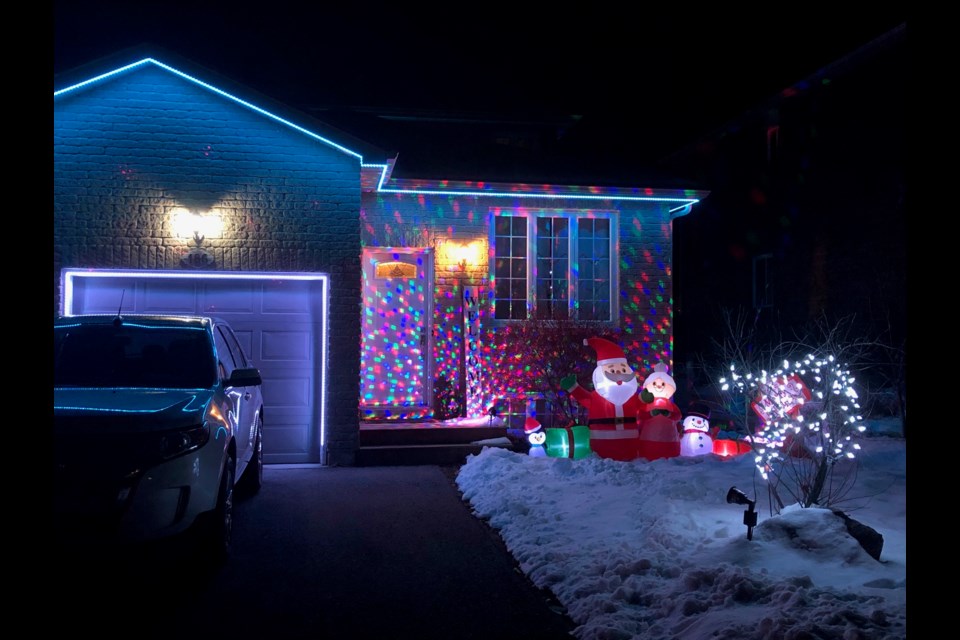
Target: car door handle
x,y
246,396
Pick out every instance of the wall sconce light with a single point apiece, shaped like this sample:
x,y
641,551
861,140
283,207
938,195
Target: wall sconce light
x,y
461,258
196,227
462,255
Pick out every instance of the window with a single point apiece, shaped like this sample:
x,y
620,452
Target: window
x,y
129,355
510,268
552,272
763,281
773,143
227,363
554,264
593,282
239,356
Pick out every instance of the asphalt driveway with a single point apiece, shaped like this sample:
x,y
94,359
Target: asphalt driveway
x,y
323,552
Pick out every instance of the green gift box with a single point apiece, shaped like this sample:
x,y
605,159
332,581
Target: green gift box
x,y
568,442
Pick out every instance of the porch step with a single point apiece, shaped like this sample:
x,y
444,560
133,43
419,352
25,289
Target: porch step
x,y
432,454
395,445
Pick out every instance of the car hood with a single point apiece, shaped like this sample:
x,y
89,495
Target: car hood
x,y
129,410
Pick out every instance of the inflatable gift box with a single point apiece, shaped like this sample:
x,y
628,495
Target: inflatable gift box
x,y
569,442
724,447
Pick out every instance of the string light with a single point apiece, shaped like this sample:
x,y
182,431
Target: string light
x,y
785,416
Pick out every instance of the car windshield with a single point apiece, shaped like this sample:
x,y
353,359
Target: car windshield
x,y
132,355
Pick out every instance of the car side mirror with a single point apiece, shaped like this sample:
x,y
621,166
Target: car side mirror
x,y
248,377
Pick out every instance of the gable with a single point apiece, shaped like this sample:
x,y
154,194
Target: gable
x,y
170,97
151,83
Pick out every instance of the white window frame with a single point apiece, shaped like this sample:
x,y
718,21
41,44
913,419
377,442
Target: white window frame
x,y
572,280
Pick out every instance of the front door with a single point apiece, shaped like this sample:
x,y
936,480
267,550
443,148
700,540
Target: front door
x,y
395,366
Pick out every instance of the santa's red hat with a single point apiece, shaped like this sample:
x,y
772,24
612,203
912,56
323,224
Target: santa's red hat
x,y
607,352
531,425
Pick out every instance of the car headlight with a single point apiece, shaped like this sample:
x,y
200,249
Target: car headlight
x,y
177,443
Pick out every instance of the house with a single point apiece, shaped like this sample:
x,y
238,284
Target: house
x,y
360,295
806,217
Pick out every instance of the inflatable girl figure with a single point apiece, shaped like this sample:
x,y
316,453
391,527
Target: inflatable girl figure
x,y
659,417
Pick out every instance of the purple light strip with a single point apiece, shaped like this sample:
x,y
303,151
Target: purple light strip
x,y
69,276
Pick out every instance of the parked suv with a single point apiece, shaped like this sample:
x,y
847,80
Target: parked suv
x,y
156,420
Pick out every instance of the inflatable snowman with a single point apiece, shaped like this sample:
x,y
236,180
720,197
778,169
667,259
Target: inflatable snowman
x,y
696,440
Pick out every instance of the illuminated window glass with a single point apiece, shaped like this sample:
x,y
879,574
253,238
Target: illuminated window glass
x,y
553,267
510,267
396,270
571,257
593,279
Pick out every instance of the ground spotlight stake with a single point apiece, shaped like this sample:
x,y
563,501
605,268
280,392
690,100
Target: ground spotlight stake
x,y
735,496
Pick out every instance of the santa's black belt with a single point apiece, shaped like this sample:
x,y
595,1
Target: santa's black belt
x,y
612,421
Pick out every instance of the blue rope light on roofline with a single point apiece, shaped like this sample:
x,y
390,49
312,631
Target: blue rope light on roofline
x,y
215,90
543,194
383,168
688,202
383,173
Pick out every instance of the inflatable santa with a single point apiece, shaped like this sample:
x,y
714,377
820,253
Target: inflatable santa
x,y
696,439
613,404
658,416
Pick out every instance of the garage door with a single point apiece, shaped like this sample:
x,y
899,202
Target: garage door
x,y
279,318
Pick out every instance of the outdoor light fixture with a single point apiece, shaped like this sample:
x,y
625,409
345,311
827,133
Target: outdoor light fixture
x,y
196,227
461,255
735,496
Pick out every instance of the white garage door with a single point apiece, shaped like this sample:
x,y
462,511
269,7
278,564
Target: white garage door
x,y
280,318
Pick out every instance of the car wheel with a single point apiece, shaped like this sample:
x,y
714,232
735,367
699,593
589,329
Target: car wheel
x,y
217,532
252,478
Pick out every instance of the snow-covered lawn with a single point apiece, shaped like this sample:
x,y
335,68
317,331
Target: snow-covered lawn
x,y
653,550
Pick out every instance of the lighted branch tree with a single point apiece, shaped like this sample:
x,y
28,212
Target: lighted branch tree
x,y
800,448
739,345
806,446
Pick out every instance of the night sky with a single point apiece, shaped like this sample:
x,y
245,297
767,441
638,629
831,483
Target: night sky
x,y
668,75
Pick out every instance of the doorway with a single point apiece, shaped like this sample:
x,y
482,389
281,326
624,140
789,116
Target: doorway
x,y
397,334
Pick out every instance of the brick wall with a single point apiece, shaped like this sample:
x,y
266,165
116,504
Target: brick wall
x,y
130,151
645,260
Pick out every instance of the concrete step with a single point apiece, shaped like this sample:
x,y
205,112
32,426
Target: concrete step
x,y
387,435
404,455
393,444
